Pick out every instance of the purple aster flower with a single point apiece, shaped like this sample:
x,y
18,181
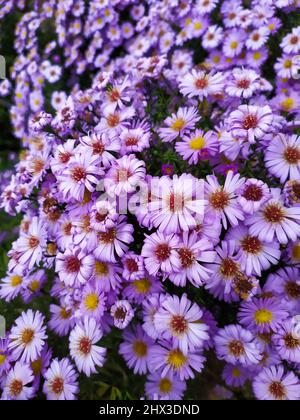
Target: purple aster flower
x,y
198,146
167,170
61,320
133,266
27,337
262,315
137,290
243,83
74,266
83,349
235,376
168,387
17,383
178,124
102,146
5,356
122,313
250,122
274,384
93,301
11,286
252,195
274,220
287,342
150,306
61,381
178,320
167,358
135,349
238,346
201,84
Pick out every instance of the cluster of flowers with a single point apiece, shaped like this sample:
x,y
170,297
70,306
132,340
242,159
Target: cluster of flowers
x,y
136,251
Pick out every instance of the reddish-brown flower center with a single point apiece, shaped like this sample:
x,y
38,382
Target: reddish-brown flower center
x,y
176,202
219,200
85,345
251,121
229,268
187,257
33,242
131,141
72,264
120,313
292,155
78,173
132,266
98,148
57,385
65,157
251,244
277,389
273,213
201,83
292,289
108,237
294,40
236,348
27,336
179,324
15,387
253,192
291,342
243,83
163,252
113,120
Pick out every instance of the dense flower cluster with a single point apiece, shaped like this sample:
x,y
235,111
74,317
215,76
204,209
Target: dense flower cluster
x,y
156,190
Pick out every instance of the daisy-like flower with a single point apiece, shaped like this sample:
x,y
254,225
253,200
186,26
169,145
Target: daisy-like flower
x,y
253,254
198,146
222,200
83,349
192,252
17,383
168,358
274,384
287,342
243,83
250,122
135,349
61,320
282,157
74,266
287,66
5,357
235,375
150,306
252,195
122,313
179,320
238,346
11,286
124,175
168,387
82,172
133,266
27,337
160,253
274,220
102,146
291,193
137,290
135,140
62,155
32,244
234,43
113,241
201,84
212,37
262,315
177,204
291,42
93,301
258,38
61,381
179,124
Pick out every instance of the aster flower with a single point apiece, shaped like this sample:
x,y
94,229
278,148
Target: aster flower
x,y
93,301
262,315
198,146
135,140
135,349
137,290
287,342
282,157
191,253
274,384
252,195
5,356
250,122
28,336
168,387
122,313
243,84
125,175
82,172
160,253
11,286
102,146
274,220
291,42
61,320
179,124
201,84
61,381
235,376
74,266
178,320
238,346
17,383
168,358
253,254
222,200
83,349
176,204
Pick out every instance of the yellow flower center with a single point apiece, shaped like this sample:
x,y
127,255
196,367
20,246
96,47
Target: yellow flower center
x,y
16,281
296,252
36,366
236,373
288,64
91,302
142,286
101,268
234,45
178,124
165,385
198,26
140,348
34,285
2,359
288,104
257,56
198,143
176,358
263,316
